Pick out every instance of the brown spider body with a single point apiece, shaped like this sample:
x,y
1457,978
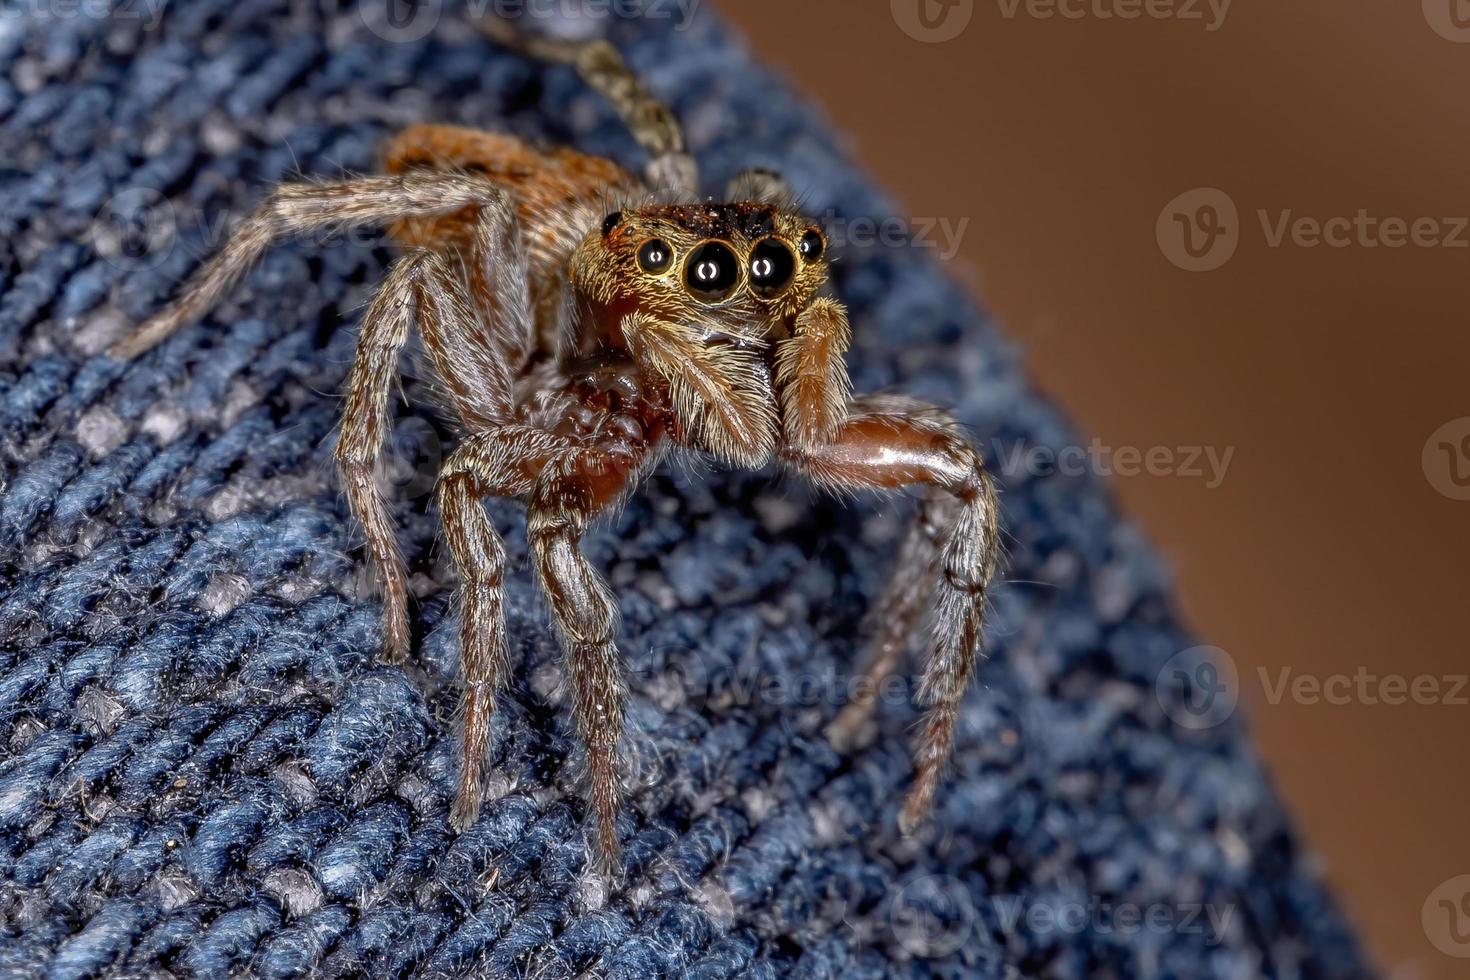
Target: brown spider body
x,y
581,326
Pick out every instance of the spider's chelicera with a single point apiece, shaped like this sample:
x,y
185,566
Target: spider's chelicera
x,y
583,328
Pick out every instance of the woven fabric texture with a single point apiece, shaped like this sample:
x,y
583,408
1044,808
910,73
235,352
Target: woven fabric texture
x,y
203,768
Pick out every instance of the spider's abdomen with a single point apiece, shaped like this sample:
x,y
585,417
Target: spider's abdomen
x,y
558,193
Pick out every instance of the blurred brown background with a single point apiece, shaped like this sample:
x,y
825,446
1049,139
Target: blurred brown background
x,y
1328,548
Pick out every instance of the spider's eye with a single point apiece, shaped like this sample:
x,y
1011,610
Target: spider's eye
x,y
712,272
611,222
771,267
655,256
811,246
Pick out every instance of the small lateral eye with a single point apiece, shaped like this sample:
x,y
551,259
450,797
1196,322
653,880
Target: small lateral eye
x,y
611,222
655,256
811,246
712,271
772,267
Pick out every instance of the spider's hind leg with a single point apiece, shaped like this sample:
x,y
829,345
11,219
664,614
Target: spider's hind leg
x,y
652,124
760,184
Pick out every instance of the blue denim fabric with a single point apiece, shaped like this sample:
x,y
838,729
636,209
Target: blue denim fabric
x,y
204,770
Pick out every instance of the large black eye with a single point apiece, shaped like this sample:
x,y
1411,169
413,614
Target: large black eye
x,y
711,272
811,246
655,256
771,267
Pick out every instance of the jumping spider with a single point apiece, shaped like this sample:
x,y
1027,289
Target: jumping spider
x,y
583,323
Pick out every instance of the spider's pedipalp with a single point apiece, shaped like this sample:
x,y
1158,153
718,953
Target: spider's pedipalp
x,y
812,374
718,392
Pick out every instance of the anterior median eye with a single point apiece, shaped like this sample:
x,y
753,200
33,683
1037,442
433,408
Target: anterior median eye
x,y
712,271
655,256
771,267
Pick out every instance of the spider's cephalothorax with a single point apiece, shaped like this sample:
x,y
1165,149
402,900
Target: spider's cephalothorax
x,y
581,328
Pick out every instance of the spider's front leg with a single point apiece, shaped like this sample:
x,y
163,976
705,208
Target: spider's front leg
x,y
891,443
569,493
502,462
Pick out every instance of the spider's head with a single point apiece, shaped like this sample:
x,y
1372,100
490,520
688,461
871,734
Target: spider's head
x,y
743,267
